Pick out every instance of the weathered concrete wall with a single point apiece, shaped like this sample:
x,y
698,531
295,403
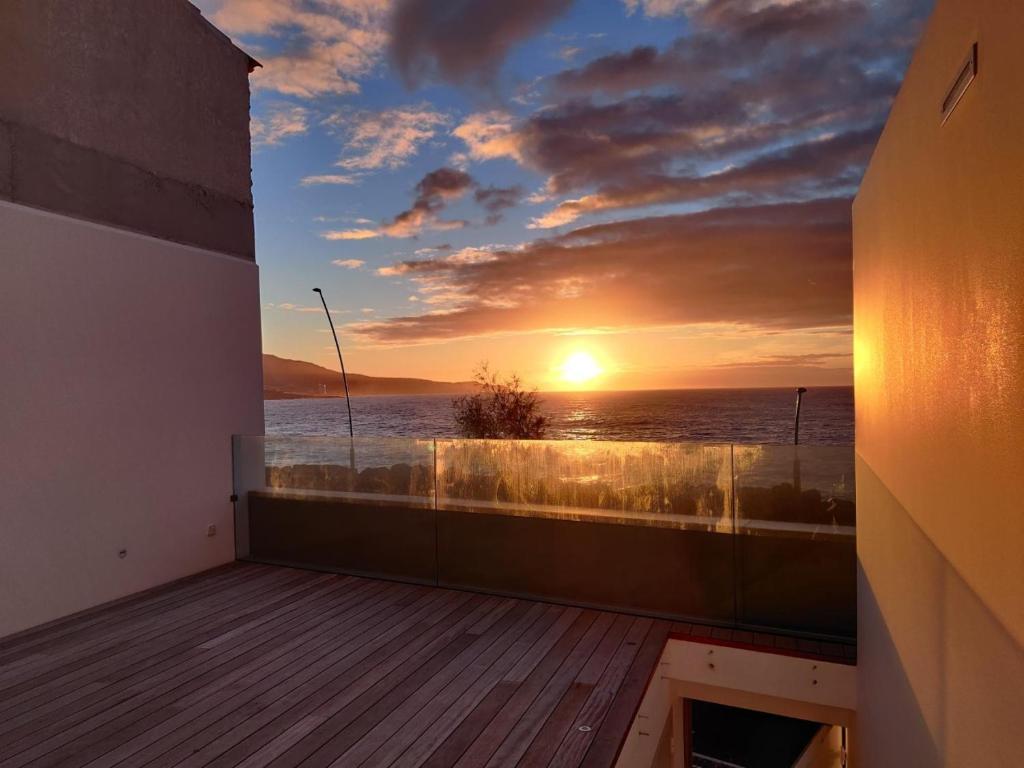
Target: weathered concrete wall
x,y
134,114
128,364
939,343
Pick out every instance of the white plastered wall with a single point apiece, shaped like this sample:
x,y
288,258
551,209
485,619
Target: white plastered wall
x,y
126,364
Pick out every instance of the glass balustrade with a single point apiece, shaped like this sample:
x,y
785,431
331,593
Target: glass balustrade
x,y
758,536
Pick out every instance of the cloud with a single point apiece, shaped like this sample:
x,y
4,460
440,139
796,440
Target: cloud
x,y
280,123
777,267
731,10
351,234
348,263
580,143
489,135
433,193
331,43
463,41
289,307
496,199
333,178
742,45
568,52
662,8
714,117
810,360
827,165
385,139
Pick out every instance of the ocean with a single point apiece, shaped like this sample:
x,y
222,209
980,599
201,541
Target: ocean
x,y
686,415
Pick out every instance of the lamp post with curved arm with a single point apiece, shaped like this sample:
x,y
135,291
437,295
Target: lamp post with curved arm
x,y
344,380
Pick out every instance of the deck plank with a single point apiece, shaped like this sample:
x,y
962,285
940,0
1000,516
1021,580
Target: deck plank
x,y
253,665
109,720
148,601
250,728
115,687
299,659
445,723
94,643
348,697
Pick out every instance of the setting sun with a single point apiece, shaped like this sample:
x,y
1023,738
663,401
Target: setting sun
x,y
580,367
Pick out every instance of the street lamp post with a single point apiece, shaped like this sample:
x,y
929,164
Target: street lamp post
x,y
344,380
796,440
796,424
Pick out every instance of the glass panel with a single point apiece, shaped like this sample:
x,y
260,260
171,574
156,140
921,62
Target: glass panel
x,y
366,467
676,484
633,526
796,538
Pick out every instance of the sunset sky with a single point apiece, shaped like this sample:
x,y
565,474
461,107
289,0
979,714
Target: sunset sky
x,y
602,193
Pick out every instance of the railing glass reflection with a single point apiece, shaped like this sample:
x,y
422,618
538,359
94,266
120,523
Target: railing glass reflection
x,y
668,484
396,468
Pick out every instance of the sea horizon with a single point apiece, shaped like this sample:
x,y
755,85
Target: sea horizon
x,y
787,388
726,415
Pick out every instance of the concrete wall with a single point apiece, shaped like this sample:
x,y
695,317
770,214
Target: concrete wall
x,y
135,114
939,343
127,364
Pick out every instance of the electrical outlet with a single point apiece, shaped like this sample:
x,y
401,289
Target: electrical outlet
x,y
211,530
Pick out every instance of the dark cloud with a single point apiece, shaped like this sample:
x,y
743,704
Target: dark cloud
x,y
463,41
814,20
779,267
780,102
814,168
433,192
496,199
734,44
579,142
443,183
811,360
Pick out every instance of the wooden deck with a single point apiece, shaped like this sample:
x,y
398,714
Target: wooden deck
x,y
254,665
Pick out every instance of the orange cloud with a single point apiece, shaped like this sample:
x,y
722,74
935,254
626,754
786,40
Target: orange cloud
x,y
280,123
338,42
388,138
776,267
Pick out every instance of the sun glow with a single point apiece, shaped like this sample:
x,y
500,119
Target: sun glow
x,y
580,368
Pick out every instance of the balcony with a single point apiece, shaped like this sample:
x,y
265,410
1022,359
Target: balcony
x,y
253,665
459,603
751,537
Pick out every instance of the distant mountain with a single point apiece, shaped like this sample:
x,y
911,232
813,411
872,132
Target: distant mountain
x,y
285,379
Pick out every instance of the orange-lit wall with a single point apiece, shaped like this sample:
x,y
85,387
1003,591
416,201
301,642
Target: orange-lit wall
x,y
939,344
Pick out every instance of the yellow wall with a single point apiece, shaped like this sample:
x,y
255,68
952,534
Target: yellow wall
x,y
939,370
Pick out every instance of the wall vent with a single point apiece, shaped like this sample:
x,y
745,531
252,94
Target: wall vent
x,y
964,77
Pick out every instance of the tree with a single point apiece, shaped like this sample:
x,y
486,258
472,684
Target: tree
x,y
502,409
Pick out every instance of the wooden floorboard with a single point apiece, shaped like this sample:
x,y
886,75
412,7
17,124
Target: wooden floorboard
x,y
252,665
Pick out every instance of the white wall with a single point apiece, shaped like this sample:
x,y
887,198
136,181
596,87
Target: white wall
x,y
126,363
939,368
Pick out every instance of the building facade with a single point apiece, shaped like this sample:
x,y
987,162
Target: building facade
x,y
939,347
129,299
